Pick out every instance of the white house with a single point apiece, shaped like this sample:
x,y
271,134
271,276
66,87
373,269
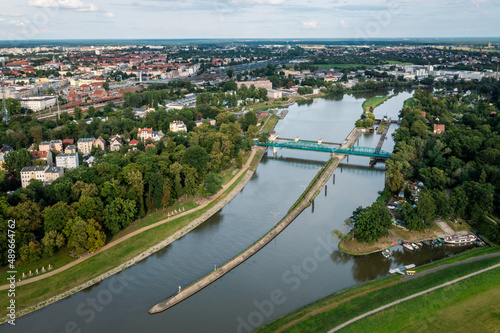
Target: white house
x,y
68,161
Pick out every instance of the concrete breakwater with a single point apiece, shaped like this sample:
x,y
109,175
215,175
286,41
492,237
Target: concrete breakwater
x,y
307,197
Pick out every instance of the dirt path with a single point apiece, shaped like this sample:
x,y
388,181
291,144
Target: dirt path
x,y
128,236
411,297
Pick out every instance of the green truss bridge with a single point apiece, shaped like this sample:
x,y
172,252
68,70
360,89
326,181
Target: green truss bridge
x,y
313,146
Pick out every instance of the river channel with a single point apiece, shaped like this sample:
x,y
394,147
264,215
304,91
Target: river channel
x,y
301,265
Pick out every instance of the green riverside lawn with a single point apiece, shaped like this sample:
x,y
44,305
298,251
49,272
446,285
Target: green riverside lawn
x,y
346,304
36,292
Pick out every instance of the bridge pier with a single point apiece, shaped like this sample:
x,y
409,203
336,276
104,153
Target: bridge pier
x,y
275,152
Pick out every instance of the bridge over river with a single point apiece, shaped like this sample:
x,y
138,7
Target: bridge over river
x,y
344,148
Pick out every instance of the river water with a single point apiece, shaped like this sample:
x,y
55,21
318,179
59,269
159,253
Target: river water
x,y
301,265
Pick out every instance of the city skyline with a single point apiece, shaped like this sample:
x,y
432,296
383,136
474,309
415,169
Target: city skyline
x,y
171,19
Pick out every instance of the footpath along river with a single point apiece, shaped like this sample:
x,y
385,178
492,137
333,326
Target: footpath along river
x,y
301,265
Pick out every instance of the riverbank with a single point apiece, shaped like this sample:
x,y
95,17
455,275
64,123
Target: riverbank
x,y
355,248
346,304
142,243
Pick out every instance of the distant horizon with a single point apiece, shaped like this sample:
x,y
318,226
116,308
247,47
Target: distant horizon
x,y
346,41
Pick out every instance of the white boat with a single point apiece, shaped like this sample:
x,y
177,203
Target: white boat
x,y
420,244
460,239
407,246
415,246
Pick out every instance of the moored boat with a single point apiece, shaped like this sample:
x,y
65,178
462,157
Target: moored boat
x,y
415,246
386,253
460,239
407,246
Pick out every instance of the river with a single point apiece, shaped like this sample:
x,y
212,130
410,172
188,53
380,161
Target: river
x,y
301,265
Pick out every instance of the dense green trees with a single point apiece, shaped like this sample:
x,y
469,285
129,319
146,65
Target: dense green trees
x,y
464,160
371,223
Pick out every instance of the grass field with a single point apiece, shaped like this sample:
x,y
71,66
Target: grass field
x,y
269,126
36,292
470,305
336,309
375,101
410,102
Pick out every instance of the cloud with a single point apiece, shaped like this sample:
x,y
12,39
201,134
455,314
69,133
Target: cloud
x,y
77,5
2,19
109,14
260,2
310,24
16,23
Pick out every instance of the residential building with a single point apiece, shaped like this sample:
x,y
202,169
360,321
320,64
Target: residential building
x,y
211,121
38,103
85,145
148,133
178,126
115,143
100,143
439,128
71,149
56,145
42,155
68,142
52,173
45,146
32,172
274,94
257,84
68,161
2,159
133,142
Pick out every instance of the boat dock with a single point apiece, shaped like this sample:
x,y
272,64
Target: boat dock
x,y
401,270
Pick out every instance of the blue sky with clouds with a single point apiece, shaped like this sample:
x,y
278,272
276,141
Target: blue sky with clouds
x,y
170,19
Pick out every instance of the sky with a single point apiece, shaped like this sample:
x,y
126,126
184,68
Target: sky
x,y
289,19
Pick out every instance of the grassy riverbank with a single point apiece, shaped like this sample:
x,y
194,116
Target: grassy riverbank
x,y
374,102
339,307
40,291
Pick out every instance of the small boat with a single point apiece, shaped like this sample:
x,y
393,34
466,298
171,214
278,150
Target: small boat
x,y
415,246
426,243
460,239
386,253
440,240
407,246
420,244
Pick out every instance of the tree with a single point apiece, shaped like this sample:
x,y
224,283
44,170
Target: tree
x,y
371,223
119,214
213,183
31,252
394,178
79,237
198,158
52,242
249,119
96,236
56,217
89,207
14,161
105,86
426,207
